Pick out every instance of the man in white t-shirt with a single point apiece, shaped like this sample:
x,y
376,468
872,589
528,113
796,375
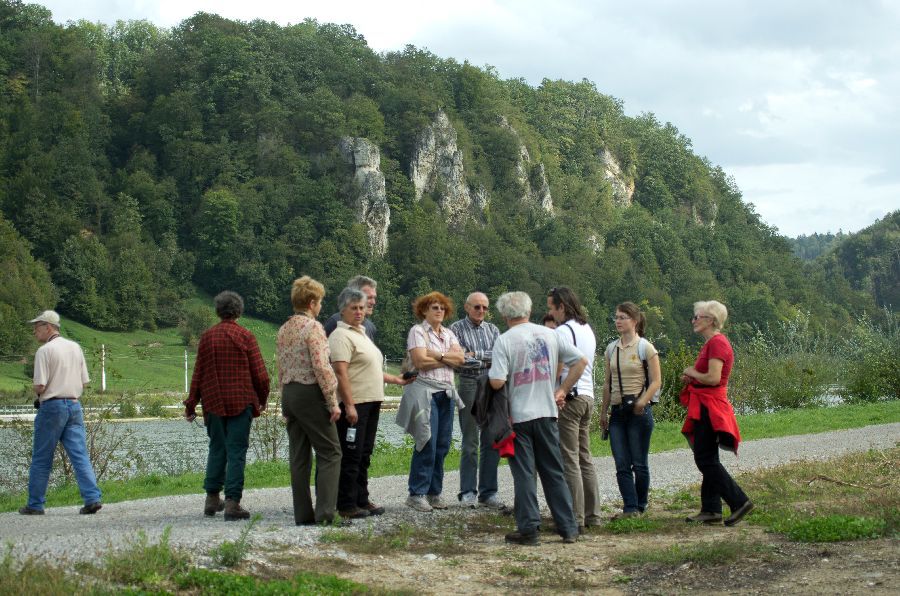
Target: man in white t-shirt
x,y
525,359
60,374
575,417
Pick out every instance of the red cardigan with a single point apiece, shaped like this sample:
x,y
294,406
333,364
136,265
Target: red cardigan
x,y
721,414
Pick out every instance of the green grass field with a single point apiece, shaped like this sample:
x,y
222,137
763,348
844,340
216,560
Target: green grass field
x,y
137,361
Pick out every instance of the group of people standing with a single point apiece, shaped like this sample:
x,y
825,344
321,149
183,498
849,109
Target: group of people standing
x,y
527,394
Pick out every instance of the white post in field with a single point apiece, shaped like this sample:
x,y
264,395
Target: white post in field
x,y
103,367
185,372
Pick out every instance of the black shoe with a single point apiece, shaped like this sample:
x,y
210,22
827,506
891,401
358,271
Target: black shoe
x,y
526,539
355,513
343,523
570,539
373,509
91,509
29,511
739,513
704,517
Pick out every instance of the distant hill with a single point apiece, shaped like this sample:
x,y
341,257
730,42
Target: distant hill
x,y
870,260
810,247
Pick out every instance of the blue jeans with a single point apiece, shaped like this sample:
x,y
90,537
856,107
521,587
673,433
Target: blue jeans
x,y
629,439
537,455
470,459
60,420
426,470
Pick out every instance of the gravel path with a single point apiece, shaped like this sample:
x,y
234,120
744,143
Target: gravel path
x,y
62,533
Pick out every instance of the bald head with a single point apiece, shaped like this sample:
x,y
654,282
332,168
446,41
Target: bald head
x,y
476,307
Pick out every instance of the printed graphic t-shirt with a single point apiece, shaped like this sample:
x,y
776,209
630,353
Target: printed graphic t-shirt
x,y
526,357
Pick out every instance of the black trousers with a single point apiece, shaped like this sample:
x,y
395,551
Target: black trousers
x,y
717,485
353,487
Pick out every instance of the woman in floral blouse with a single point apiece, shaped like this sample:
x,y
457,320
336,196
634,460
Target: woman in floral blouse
x,y
309,403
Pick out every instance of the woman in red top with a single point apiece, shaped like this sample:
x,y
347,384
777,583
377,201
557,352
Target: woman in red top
x,y
710,422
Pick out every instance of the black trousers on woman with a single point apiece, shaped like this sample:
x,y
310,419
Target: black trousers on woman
x,y
718,485
353,488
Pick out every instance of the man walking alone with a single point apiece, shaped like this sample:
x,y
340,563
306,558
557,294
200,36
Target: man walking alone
x,y
60,374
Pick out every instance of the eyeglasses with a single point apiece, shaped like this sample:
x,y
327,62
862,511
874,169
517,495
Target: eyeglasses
x,y
436,307
615,318
478,307
696,317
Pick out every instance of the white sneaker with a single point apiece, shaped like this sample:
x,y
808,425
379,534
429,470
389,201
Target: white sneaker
x,y
494,502
419,503
436,502
469,500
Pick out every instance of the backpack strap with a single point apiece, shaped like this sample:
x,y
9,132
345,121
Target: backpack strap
x,y
642,354
572,331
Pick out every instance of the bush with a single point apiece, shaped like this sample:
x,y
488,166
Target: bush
x,y
870,370
194,321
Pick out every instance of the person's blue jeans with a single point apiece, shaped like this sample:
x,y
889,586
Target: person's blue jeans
x,y
537,455
470,459
629,439
426,470
60,420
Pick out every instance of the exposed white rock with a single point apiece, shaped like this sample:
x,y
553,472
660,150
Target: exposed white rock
x,y
437,160
623,189
535,189
371,205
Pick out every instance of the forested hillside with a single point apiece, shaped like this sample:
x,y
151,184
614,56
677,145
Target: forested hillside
x,y
137,163
870,260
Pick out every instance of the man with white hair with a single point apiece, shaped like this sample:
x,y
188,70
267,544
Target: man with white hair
x,y
60,374
525,358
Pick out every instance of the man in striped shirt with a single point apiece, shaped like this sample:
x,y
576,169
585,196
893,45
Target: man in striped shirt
x,y
477,338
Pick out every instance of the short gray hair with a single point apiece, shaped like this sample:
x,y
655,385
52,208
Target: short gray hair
x,y
229,305
514,305
359,282
713,308
350,296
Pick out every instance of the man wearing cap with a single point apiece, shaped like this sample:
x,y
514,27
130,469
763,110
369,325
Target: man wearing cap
x,y
60,374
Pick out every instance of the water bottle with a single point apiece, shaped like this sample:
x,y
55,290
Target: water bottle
x,y
351,437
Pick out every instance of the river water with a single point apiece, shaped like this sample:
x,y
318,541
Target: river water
x,y
163,446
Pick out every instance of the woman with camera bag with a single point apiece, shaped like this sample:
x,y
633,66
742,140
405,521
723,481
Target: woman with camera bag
x,y
633,380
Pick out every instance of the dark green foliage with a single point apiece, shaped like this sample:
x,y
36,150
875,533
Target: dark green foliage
x,y
141,162
25,291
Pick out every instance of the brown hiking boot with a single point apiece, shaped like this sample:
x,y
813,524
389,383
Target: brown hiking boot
x,y
234,511
213,504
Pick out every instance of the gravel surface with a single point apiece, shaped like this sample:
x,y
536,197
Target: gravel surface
x,y
63,533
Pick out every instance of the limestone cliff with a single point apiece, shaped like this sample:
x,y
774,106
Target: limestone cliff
x,y
370,204
437,163
622,188
532,179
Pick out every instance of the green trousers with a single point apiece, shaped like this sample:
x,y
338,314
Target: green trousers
x,y
229,438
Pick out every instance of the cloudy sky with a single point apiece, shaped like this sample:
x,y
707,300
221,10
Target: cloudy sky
x,y
799,100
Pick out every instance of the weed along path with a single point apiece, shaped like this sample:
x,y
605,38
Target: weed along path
x,y
462,550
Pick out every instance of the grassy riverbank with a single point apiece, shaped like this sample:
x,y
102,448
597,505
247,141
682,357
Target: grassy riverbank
x,y
388,460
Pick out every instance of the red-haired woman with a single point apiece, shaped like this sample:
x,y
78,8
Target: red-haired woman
x,y
427,408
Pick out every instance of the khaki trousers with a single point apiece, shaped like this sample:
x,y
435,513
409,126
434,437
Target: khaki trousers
x,y
575,446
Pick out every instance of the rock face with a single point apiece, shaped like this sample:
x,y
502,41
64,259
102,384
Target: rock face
x,y
623,189
533,180
437,163
371,205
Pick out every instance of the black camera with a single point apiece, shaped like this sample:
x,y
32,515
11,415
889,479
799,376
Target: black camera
x,y
410,374
628,401
604,436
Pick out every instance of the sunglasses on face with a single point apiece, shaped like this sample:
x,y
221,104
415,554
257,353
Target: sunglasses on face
x,y
479,307
697,317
